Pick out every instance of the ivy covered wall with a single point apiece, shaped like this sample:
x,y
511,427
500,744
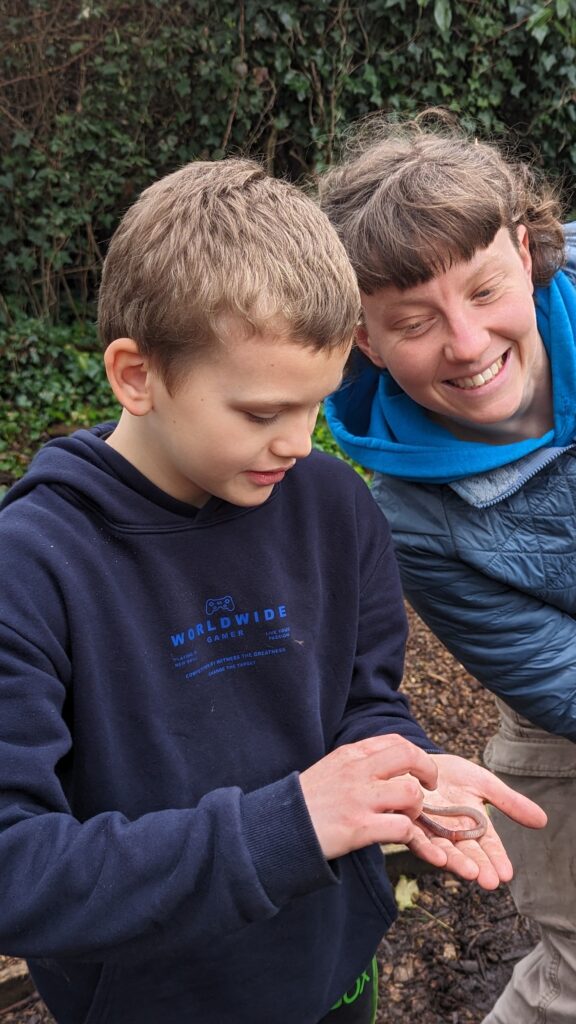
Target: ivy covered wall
x,y
100,97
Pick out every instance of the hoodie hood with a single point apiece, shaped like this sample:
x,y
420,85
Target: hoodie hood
x,y
380,427
89,473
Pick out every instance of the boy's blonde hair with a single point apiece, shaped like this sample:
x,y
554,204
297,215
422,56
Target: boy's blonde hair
x,y
415,197
219,240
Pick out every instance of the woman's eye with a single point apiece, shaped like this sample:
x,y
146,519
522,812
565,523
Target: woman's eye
x,y
490,290
416,326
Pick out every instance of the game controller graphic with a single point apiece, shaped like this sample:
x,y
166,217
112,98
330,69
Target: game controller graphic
x,y
219,604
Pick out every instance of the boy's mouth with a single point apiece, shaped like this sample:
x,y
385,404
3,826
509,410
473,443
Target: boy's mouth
x,y
266,477
479,379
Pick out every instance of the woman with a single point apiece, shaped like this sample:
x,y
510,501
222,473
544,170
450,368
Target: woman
x,y
465,408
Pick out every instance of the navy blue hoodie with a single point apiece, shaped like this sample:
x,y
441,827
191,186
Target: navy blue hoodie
x,y
165,674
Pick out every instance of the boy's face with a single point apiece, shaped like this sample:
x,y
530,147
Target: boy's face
x,y
238,422
464,345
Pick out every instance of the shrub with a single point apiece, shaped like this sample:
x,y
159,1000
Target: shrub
x,y
52,381
100,97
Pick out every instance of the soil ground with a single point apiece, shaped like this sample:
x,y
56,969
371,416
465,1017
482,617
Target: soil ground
x,y
447,958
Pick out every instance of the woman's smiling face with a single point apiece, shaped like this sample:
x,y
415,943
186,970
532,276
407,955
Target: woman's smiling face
x,y
464,345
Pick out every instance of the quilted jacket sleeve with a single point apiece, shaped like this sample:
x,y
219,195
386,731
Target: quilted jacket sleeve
x,y
518,645
520,648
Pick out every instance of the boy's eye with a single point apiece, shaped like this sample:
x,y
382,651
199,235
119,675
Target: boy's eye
x,y
262,419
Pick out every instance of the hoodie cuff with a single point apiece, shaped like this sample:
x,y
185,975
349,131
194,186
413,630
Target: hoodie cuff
x,y
282,841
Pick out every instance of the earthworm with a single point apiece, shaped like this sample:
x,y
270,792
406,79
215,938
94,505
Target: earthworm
x,y
454,833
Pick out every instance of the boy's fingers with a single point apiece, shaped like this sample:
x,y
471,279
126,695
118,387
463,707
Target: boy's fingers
x,y
366,792
402,794
393,755
515,805
393,828
445,855
484,861
492,863
398,828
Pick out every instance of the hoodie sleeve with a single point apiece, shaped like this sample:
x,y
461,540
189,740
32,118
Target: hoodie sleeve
x,y
376,706
112,888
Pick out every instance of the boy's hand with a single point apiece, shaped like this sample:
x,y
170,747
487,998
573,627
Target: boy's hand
x,y
484,860
370,792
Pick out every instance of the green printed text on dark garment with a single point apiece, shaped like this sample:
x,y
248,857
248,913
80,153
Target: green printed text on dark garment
x,y
359,1003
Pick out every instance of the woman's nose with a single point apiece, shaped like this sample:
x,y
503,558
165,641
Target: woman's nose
x,y
466,340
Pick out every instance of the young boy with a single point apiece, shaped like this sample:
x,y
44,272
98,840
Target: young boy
x,y
202,742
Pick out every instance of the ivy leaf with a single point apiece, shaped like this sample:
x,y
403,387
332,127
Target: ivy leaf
x,y
537,24
286,19
21,139
443,14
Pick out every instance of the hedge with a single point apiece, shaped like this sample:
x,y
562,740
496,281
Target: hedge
x,y
100,97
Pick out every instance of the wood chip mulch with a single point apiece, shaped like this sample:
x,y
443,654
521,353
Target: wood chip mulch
x,y
447,958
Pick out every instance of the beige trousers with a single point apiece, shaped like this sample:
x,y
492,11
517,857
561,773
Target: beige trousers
x,y
542,989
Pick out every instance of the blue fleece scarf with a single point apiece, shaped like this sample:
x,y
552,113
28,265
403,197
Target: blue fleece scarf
x,y
380,427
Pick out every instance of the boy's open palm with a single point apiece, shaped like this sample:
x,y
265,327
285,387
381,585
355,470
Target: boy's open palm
x,y
371,792
483,860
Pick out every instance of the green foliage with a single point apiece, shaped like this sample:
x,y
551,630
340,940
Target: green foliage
x,y
52,381
100,97
324,440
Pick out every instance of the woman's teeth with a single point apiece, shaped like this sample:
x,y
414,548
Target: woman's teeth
x,y
479,378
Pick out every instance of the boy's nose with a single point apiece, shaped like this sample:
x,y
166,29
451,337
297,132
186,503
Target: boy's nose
x,y
295,444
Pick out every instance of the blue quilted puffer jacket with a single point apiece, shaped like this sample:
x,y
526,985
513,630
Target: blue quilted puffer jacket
x,y
489,563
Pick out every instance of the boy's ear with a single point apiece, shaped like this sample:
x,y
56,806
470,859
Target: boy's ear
x,y
365,346
128,372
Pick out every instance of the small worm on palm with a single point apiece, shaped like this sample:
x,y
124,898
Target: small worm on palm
x,y
455,834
